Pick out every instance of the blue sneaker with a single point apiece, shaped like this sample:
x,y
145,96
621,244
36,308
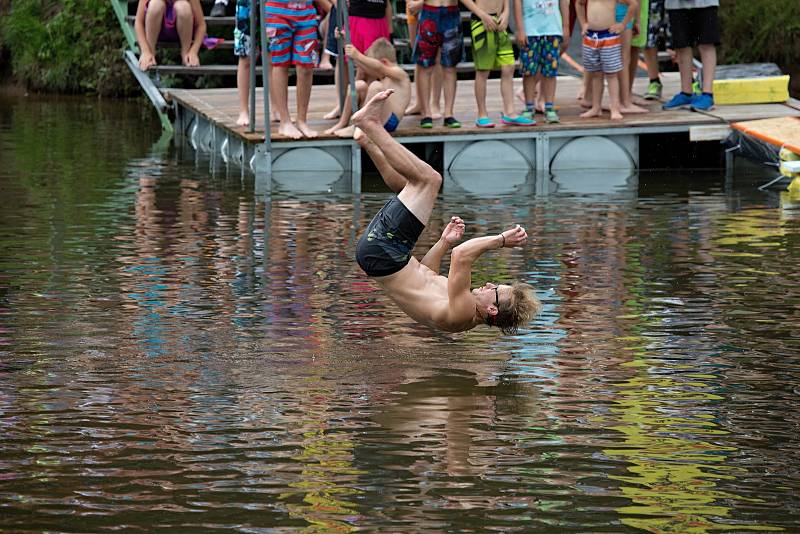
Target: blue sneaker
x,y
703,102
679,101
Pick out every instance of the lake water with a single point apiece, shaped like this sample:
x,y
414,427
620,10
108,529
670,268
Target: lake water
x,y
179,351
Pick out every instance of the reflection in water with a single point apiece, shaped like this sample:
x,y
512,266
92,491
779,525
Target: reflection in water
x,y
178,351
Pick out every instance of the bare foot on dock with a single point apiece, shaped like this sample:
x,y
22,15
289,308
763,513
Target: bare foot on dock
x,y
288,129
436,114
413,109
593,112
585,104
244,119
372,110
333,129
332,114
345,133
633,108
616,115
306,131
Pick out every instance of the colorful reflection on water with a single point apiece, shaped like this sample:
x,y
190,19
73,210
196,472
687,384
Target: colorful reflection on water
x,y
180,351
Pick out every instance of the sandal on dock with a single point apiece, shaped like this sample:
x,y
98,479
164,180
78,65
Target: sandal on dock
x,y
451,122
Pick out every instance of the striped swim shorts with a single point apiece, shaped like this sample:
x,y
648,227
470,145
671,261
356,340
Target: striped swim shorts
x,y
602,52
292,29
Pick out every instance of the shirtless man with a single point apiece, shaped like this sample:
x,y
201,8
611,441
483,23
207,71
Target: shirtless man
x,y
382,72
384,251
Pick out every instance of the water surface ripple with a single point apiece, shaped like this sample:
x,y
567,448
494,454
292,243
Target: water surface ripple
x,y
179,351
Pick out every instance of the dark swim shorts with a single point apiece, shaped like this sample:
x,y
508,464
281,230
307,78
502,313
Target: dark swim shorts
x,y
385,248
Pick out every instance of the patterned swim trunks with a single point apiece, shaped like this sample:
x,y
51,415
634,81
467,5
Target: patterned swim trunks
x,y
292,30
541,54
439,28
602,51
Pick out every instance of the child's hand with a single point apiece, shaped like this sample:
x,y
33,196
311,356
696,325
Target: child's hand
x,y
584,29
522,39
488,22
338,33
415,6
564,43
191,59
351,51
502,22
617,28
147,60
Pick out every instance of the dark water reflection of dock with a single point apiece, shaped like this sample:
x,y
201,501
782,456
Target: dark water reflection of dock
x,y
179,351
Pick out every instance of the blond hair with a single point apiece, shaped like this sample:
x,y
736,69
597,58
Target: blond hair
x,y
518,310
381,48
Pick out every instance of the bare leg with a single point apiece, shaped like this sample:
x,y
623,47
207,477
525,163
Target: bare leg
x,y
280,95
364,94
529,89
416,107
708,55
243,90
185,24
391,177
685,67
334,113
595,83
436,91
549,89
424,90
449,87
507,89
153,21
344,120
304,80
419,195
480,92
625,77
613,94
651,59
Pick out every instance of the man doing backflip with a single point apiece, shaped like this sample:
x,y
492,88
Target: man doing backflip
x,y
384,251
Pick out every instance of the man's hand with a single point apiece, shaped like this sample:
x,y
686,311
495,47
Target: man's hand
x,y
514,237
147,60
190,59
454,231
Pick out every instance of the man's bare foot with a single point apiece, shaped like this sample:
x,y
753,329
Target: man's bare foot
x,y
593,112
616,115
306,131
372,110
243,119
633,108
345,133
332,114
288,129
413,109
360,137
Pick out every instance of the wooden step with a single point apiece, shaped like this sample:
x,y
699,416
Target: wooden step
x,y
210,21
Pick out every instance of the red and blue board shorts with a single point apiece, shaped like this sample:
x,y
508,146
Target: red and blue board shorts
x,y
439,28
292,30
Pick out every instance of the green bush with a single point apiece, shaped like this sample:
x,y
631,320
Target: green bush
x,y
69,46
762,31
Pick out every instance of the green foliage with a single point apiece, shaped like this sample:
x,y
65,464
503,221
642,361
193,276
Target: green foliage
x,y
70,46
763,30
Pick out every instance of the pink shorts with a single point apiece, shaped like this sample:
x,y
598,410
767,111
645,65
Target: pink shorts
x,y
364,31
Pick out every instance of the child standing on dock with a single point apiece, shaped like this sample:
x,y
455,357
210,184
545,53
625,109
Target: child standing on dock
x,y
492,49
242,41
542,34
292,30
602,52
439,29
694,22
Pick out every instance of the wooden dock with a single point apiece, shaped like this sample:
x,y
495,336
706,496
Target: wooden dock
x,y
208,120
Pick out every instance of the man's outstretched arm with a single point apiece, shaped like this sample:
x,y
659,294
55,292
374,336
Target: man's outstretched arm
x,y
451,236
464,255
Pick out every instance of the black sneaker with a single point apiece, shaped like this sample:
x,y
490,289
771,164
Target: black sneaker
x,y
218,10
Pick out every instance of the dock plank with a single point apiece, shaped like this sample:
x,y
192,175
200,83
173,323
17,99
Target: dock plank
x,y
221,106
